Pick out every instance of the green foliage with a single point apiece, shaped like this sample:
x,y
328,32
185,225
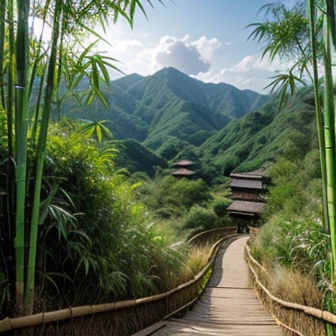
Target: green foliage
x,y
166,111
284,31
296,242
108,231
169,196
296,187
261,136
94,235
293,235
137,158
220,206
200,219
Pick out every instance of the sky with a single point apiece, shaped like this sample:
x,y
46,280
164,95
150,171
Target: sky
x,y
206,39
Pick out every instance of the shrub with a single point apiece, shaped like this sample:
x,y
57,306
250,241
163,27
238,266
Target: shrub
x,y
220,206
169,196
94,235
200,219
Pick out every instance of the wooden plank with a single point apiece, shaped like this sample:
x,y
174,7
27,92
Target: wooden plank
x,y
151,329
229,305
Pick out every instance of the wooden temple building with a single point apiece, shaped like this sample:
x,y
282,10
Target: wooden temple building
x,y
248,195
183,169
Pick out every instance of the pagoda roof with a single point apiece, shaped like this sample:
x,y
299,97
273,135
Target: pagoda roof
x,y
246,207
247,183
256,175
244,196
183,172
184,163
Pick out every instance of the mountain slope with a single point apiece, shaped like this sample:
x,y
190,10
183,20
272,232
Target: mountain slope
x,y
167,106
137,158
264,135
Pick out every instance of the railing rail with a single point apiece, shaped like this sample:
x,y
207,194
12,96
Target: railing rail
x,y
211,236
124,317
298,318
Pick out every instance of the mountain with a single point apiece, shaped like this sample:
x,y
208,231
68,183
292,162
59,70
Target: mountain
x,y
168,107
169,116
262,136
180,108
137,158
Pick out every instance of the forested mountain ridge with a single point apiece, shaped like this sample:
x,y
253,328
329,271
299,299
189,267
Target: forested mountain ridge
x,y
262,136
217,125
167,112
168,106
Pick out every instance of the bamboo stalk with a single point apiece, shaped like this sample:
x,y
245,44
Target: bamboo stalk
x,y
9,226
21,125
2,42
38,106
39,46
329,133
29,294
11,76
319,114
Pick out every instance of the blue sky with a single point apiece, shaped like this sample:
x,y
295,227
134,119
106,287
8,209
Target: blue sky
x,y
206,39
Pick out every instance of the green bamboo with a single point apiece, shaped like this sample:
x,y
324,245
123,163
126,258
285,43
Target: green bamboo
x,y
39,46
329,133
21,125
38,107
2,41
11,77
10,178
318,110
52,68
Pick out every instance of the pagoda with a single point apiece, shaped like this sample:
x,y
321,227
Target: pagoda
x,y
248,195
183,169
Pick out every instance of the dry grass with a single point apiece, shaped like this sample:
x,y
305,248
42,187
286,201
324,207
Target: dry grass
x,y
293,286
196,261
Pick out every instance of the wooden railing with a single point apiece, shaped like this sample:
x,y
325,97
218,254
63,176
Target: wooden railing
x,y
212,236
126,317
298,319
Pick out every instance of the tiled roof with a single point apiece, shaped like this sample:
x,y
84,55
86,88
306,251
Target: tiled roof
x,y
184,163
245,183
246,207
247,196
258,174
183,172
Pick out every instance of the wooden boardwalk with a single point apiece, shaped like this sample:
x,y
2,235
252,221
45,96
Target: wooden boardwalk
x,y
229,305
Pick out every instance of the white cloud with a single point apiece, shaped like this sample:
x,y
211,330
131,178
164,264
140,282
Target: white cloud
x,y
251,72
128,45
188,56
206,47
181,56
255,80
195,57
255,61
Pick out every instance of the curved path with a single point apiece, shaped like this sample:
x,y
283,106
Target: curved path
x,y
229,305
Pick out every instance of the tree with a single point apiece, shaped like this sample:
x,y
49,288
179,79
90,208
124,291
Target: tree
x,y
28,61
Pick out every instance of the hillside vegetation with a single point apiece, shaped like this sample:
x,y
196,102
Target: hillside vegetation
x,y
261,136
171,116
168,112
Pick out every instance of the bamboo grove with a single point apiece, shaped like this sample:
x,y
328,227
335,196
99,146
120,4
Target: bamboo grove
x,y
305,35
41,46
